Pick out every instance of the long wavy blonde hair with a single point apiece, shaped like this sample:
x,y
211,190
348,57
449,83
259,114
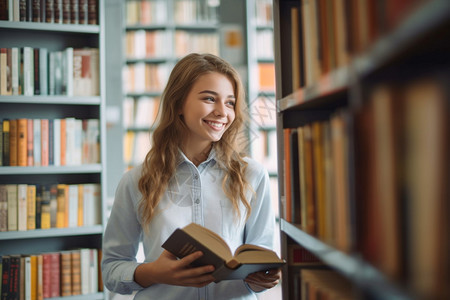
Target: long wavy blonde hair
x,y
160,163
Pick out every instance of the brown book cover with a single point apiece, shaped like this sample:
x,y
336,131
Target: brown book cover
x,y
22,142
66,273
76,272
31,206
13,142
246,259
30,142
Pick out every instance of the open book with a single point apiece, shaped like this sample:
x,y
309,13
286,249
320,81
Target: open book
x,y
247,258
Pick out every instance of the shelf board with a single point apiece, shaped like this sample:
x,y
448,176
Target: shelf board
x,y
77,28
158,60
351,266
146,27
52,232
50,99
94,296
200,26
81,169
334,82
148,94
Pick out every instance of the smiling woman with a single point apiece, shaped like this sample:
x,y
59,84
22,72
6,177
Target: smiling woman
x,y
207,114
195,172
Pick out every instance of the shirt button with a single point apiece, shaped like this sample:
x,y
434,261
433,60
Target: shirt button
x,y
195,176
197,201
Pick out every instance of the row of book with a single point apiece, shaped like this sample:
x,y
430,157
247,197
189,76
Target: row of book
x,y
266,76
146,12
187,42
29,206
51,274
37,71
142,77
136,146
263,13
150,12
140,112
376,181
147,44
264,44
49,142
327,35
50,11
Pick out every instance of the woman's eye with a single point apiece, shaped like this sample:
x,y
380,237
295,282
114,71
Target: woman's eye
x,y
211,99
231,103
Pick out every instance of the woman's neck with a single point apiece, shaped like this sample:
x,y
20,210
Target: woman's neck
x,y
197,155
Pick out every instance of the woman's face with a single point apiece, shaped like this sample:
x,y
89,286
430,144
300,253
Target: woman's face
x,y
208,109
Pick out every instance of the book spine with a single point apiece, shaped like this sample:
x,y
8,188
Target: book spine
x,y
83,11
51,141
31,207
15,71
43,71
74,9
22,215
53,204
6,131
44,142
66,274
13,142
92,12
45,207
3,71
12,207
66,13
36,69
76,272
3,208
36,142
55,274
49,11
38,206
57,11
36,11
28,71
63,142
22,142
57,142
30,142
61,210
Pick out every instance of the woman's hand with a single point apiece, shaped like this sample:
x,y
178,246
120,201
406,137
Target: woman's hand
x,y
167,269
263,280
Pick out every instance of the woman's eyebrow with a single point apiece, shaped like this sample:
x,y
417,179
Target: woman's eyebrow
x,y
215,93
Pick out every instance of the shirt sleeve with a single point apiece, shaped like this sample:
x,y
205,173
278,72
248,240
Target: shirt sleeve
x,y
260,227
121,239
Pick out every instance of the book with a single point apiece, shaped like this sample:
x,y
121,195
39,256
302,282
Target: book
x,y
13,142
22,216
5,137
3,208
31,206
12,206
22,142
245,260
30,142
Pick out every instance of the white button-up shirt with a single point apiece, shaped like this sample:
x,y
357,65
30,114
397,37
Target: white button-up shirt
x,y
194,194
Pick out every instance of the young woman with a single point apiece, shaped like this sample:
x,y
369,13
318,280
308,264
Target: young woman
x,y
194,172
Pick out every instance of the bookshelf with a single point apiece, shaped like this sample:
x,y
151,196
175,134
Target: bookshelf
x,y
80,171
158,33
363,132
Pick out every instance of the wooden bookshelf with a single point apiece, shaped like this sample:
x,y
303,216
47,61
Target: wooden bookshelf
x,y
368,130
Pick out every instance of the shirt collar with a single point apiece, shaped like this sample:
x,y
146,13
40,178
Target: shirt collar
x,y
183,158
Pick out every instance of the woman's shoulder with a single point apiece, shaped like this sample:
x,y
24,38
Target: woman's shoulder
x,y
132,175
254,167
